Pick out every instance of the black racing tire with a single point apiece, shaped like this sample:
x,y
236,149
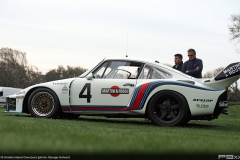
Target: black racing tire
x,y
168,108
44,103
69,116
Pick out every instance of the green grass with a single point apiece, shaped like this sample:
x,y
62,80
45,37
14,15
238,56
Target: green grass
x,y
233,103
25,134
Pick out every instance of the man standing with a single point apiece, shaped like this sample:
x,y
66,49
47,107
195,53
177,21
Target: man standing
x,y
193,66
178,62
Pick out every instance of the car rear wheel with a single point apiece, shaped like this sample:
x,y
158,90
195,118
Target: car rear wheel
x,y
43,103
168,108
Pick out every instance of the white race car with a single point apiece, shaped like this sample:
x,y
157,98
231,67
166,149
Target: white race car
x,y
127,87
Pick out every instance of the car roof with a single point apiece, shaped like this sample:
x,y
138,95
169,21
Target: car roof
x,y
133,59
148,61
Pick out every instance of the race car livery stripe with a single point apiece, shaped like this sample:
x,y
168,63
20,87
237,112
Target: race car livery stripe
x,y
93,107
65,108
96,109
134,96
139,97
122,111
97,106
153,85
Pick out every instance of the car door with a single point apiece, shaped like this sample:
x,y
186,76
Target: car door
x,y
110,88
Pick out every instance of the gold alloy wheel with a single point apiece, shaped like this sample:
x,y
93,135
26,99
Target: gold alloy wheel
x,y
42,104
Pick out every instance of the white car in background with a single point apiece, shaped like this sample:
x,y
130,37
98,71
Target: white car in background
x,y
129,87
6,91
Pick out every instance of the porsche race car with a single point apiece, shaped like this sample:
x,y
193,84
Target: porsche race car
x,y
129,87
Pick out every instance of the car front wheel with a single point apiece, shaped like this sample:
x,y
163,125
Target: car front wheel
x,y
43,102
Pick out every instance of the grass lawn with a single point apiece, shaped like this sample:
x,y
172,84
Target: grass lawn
x,y
92,135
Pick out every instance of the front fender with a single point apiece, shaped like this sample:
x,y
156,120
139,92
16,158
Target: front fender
x,y
60,88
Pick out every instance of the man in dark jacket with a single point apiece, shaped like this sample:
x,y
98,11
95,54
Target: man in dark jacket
x,y
178,62
193,66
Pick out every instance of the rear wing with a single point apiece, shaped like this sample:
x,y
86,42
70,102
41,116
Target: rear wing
x,y
231,70
225,78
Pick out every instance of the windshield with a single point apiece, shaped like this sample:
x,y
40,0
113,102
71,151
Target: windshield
x,y
89,70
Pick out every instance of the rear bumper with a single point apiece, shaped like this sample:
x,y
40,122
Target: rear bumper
x,y
220,107
222,103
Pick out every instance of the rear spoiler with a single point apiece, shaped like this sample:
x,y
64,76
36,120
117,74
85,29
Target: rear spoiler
x,y
231,70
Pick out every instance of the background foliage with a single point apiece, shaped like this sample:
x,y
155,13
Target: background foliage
x,y
16,72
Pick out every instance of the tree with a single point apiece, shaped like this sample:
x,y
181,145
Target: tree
x,y
234,29
235,92
213,73
14,64
62,73
14,70
34,76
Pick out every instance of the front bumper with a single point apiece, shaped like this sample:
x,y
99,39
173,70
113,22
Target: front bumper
x,y
14,104
10,104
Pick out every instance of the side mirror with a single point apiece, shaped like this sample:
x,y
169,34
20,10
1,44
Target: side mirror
x,y
89,76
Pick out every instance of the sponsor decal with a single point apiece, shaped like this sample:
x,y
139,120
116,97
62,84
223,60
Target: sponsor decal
x,y
60,83
19,97
223,104
114,91
231,70
202,105
203,100
64,89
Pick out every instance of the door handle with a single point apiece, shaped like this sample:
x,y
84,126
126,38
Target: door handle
x,y
128,84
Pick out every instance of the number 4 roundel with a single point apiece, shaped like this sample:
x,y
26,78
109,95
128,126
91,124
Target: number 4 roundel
x,y
88,96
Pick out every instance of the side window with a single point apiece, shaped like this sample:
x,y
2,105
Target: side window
x,y
145,73
118,70
164,74
156,75
150,72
